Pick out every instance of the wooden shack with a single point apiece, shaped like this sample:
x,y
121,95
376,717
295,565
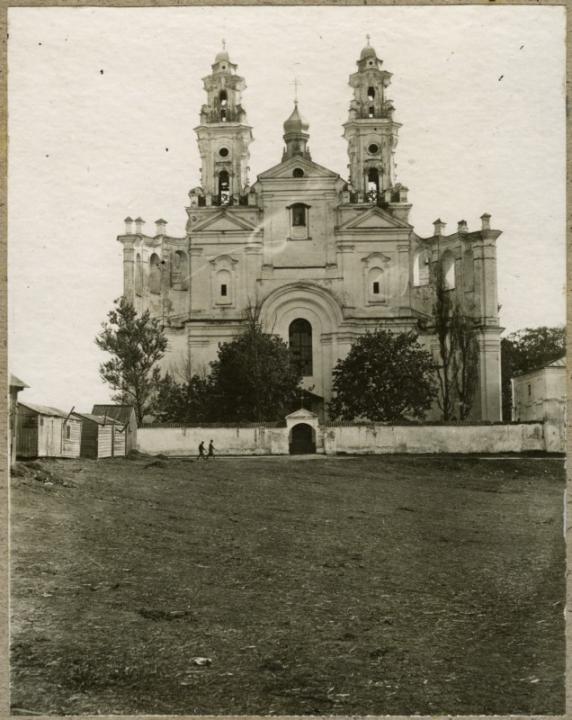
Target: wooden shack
x,y
16,386
102,437
45,431
126,415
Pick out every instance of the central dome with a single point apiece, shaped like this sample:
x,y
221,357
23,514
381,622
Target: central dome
x,y
296,122
222,56
367,51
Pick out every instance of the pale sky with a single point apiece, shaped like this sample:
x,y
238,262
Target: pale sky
x,y
103,102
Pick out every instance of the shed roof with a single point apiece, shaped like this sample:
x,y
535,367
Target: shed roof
x,y
16,382
118,412
99,419
44,409
561,362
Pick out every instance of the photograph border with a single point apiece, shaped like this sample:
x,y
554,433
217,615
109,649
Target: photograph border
x,y
5,5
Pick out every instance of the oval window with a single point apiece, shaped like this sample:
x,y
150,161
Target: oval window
x,y
223,152
373,149
298,172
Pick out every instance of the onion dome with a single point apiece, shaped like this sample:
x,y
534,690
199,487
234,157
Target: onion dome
x,y
296,123
366,52
222,56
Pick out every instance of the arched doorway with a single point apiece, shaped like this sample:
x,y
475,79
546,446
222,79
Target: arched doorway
x,y
302,440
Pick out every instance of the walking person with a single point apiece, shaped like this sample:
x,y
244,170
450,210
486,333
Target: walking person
x,y
202,451
211,450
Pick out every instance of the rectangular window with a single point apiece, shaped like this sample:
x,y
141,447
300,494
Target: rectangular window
x,y
298,216
223,290
529,391
68,432
376,288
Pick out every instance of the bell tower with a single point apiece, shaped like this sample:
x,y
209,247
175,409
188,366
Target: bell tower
x,y
370,130
223,134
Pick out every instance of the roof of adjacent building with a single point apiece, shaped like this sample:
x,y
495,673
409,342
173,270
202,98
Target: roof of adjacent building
x,y
99,419
44,409
16,382
118,412
558,363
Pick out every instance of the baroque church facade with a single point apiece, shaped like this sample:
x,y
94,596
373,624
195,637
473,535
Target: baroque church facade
x,y
322,259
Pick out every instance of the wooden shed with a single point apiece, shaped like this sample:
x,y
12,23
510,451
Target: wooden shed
x,y
16,386
102,437
47,432
126,415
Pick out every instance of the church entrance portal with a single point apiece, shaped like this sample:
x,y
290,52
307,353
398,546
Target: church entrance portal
x,y
302,440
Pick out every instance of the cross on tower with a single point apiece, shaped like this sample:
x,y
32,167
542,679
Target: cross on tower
x,y
223,44
296,84
368,39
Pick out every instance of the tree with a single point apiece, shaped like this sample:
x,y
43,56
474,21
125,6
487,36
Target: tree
x,y
458,368
525,350
385,377
136,343
253,378
465,360
442,312
186,401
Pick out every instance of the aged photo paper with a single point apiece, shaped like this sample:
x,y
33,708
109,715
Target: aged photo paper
x,y
286,369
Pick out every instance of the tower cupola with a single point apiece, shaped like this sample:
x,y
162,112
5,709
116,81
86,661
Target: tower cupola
x,y
296,135
370,130
224,134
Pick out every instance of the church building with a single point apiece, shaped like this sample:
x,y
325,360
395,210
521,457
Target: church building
x,y
321,258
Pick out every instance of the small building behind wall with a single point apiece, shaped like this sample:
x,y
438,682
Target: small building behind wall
x,y
102,437
540,394
16,386
126,415
45,431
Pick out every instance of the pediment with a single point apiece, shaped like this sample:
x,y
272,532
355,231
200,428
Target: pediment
x,y
286,168
373,219
301,414
223,221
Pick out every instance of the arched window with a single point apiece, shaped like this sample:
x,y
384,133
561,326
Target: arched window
x,y
223,115
448,266
224,187
298,172
371,111
421,264
372,183
376,284
155,274
223,98
300,342
179,270
138,275
468,270
370,93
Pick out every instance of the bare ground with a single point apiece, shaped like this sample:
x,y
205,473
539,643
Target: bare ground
x,y
371,585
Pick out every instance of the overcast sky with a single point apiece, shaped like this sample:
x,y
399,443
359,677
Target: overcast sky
x,y
103,102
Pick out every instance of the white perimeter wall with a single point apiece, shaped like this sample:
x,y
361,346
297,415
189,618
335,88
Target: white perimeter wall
x,y
358,439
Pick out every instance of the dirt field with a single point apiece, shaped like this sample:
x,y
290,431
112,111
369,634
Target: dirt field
x,y
371,585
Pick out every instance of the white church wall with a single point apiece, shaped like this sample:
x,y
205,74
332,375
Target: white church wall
x,y
358,439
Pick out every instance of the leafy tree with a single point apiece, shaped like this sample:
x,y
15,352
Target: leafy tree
x,y
186,401
526,350
136,343
458,367
253,378
385,377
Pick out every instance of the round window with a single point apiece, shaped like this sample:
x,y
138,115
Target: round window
x,y
223,152
298,172
373,149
